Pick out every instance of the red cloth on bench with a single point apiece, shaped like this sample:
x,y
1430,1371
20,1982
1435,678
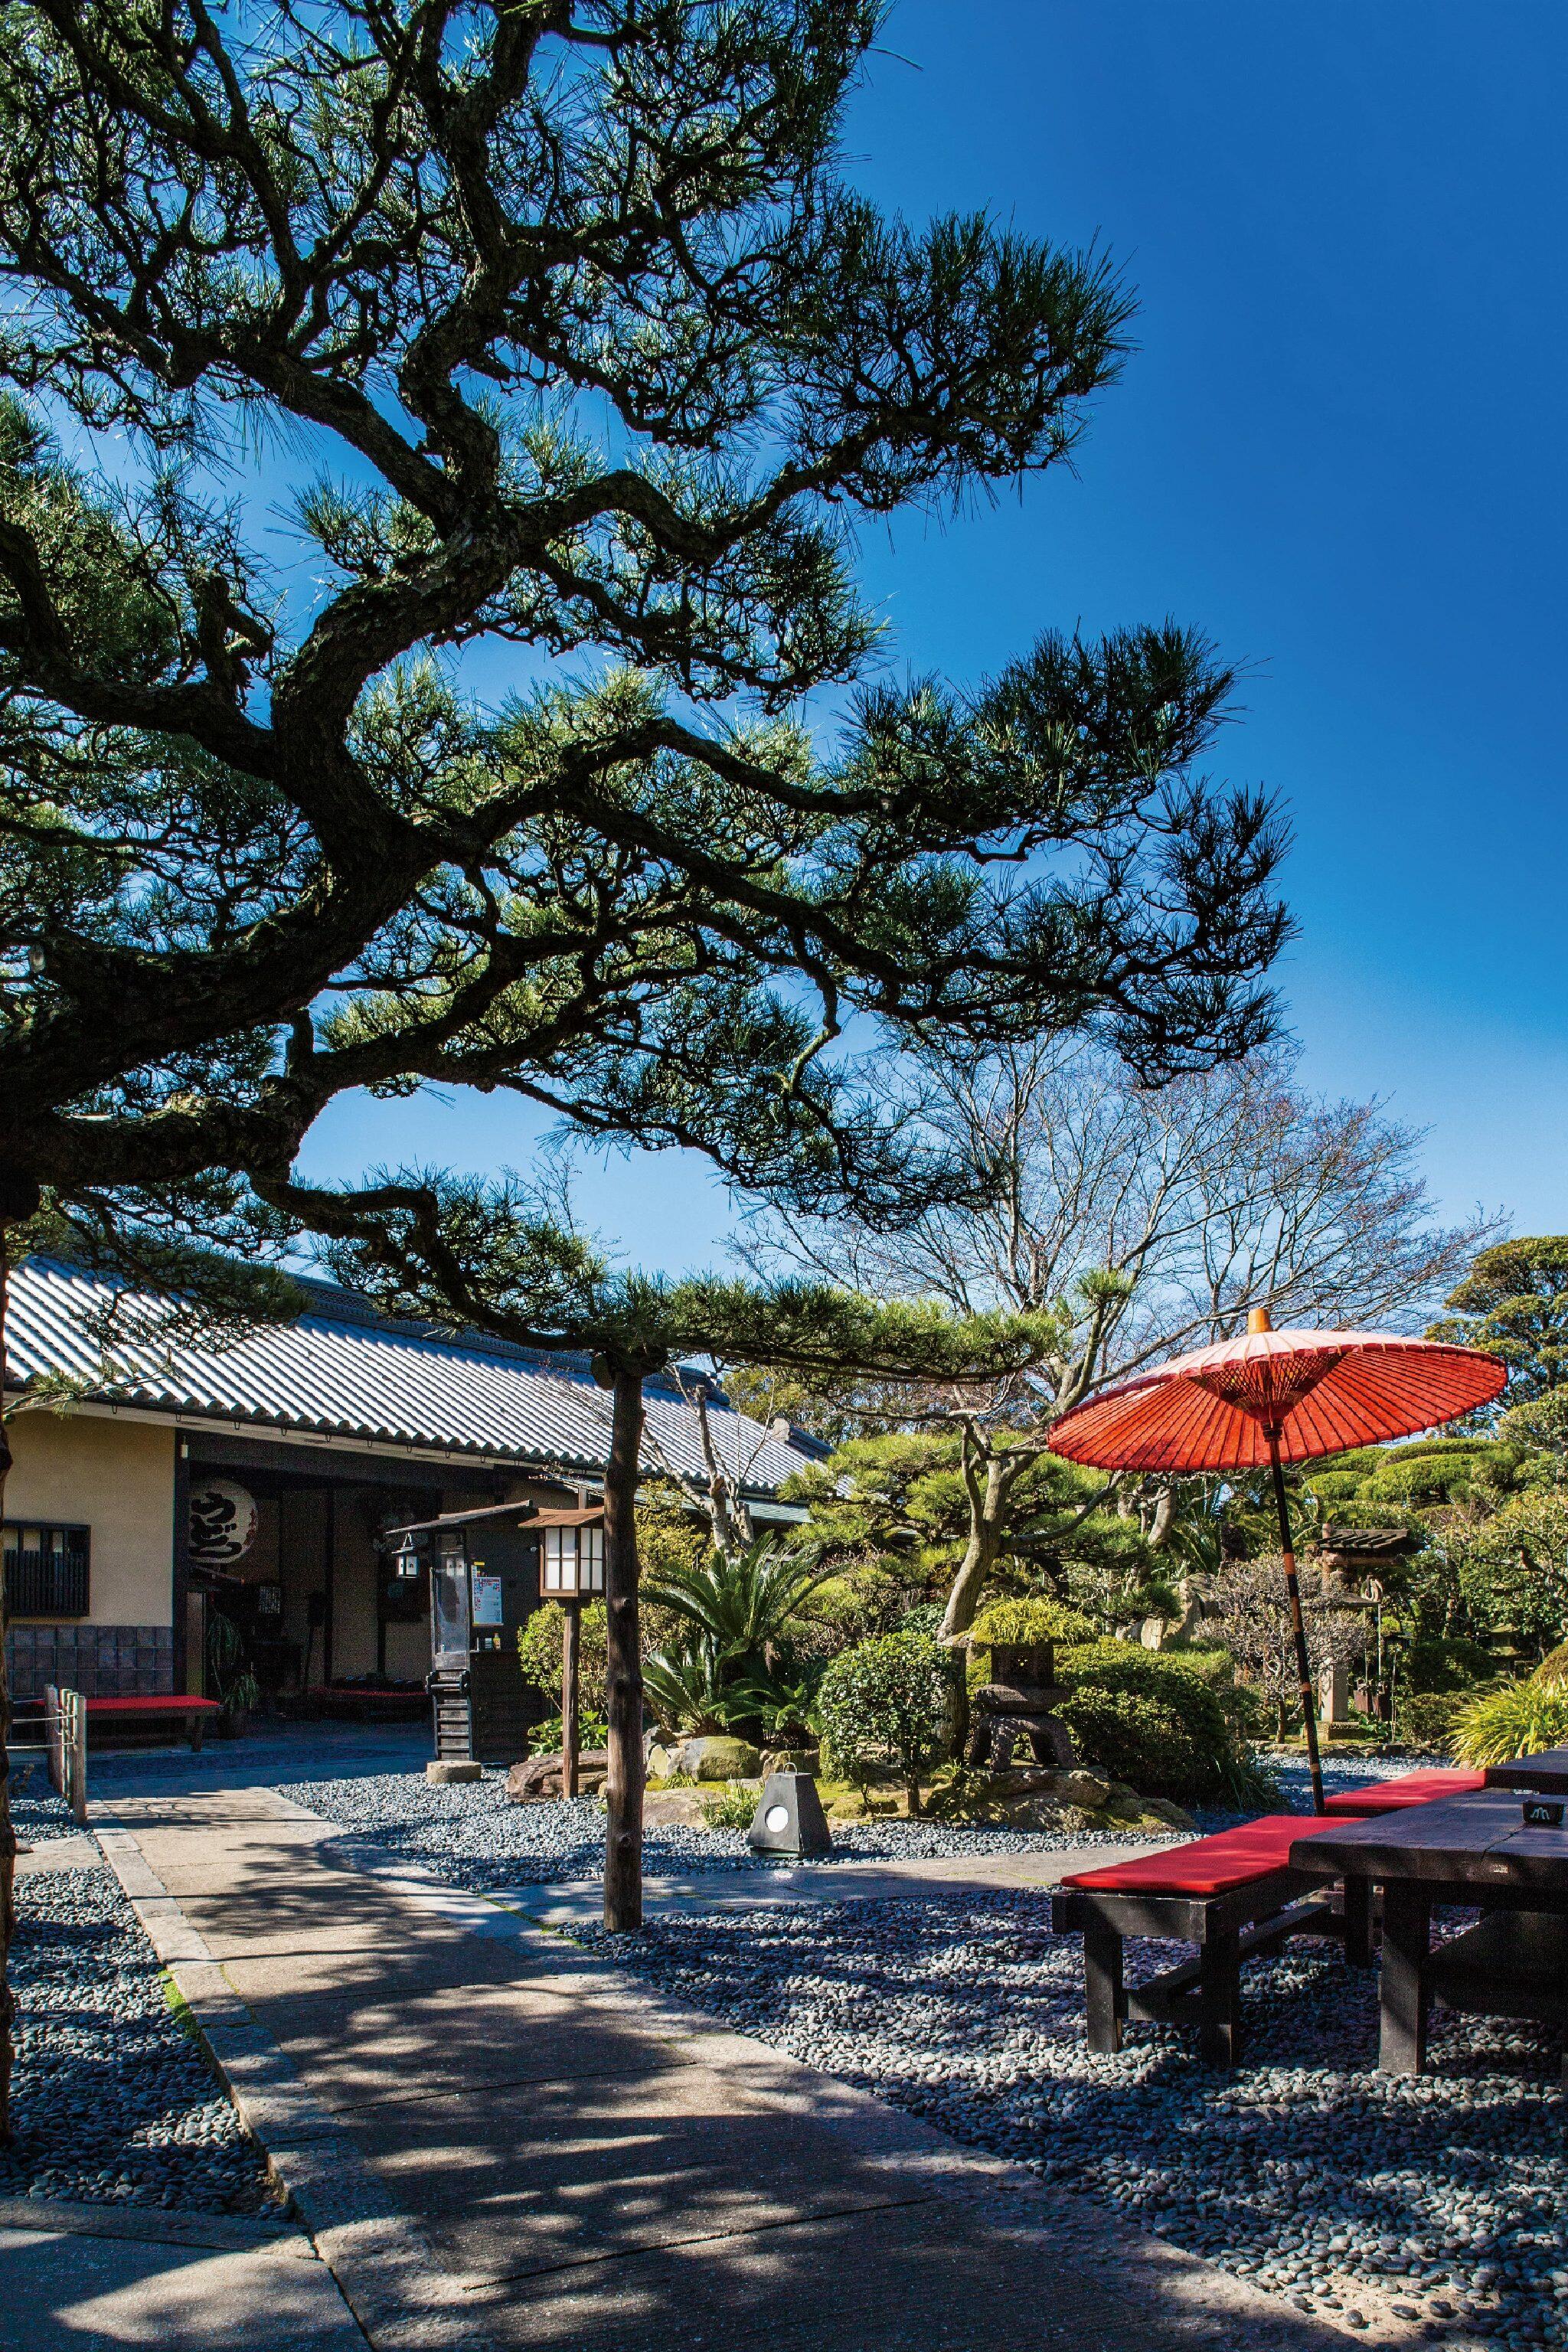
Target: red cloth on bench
x,y
1211,1865
1405,1789
165,1705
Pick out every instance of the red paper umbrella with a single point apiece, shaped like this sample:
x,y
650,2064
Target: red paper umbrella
x,y
1274,1397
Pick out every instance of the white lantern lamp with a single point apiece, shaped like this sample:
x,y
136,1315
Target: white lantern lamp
x,y
572,1555
570,1570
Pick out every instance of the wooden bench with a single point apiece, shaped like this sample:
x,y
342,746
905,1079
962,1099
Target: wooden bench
x,y
1428,1787
176,1707
1233,1896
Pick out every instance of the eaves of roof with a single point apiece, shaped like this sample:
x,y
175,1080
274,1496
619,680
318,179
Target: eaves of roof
x,y
340,1371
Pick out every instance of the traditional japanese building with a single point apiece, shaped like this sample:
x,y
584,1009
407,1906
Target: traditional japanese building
x,y
158,1482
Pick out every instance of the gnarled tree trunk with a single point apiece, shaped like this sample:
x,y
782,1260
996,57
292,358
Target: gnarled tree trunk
x,y
989,1495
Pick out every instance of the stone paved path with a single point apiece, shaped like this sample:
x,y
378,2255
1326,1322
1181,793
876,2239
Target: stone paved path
x,y
496,2140
93,2278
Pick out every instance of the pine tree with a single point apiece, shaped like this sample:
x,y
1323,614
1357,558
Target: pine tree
x,y
344,343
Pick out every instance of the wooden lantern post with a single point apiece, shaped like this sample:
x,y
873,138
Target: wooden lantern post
x,y
571,1697
570,1570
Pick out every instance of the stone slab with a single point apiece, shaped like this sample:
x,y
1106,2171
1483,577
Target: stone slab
x,y
69,2291
480,2038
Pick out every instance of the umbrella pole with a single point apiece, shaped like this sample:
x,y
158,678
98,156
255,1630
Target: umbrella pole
x,y
1297,1624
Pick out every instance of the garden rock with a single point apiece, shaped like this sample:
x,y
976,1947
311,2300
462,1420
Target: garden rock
x,y
713,1758
674,1809
451,1772
790,1760
540,1776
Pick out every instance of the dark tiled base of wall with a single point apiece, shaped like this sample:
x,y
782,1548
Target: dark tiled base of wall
x,y
100,1661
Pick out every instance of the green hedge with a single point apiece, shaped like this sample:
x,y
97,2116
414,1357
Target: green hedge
x,y
1149,1719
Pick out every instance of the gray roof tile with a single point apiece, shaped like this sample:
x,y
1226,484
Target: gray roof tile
x,y
343,1370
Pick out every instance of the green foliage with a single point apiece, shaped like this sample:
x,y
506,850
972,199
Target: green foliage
x,y
671,1541
731,1666
1513,1567
1031,1619
618,429
1211,1663
1519,1720
889,1702
1437,1662
1139,1737
1176,1730
894,1507
539,1642
1426,1720
743,1606
1514,1304
730,1807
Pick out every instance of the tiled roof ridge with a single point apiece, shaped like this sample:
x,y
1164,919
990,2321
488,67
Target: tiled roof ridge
x,y
344,1368
352,1310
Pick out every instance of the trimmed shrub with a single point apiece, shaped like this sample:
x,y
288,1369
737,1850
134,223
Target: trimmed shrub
x,y
1426,1720
1177,1740
1519,1720
1027,1621
1445,1662
889,1702
1211,1664
1135,1736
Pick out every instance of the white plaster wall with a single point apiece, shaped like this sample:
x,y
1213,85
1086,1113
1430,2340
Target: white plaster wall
x,y
116,1478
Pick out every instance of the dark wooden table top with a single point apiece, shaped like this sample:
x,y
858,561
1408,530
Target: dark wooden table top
x,y
1547,1772
1478,1841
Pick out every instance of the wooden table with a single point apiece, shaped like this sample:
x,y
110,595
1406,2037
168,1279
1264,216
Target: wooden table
x,y
1474,1850
1547,1772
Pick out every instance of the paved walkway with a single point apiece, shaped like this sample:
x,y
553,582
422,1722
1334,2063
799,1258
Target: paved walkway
x,y
95,2278
497,2141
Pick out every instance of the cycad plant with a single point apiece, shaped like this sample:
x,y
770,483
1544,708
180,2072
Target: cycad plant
x,y
730,1668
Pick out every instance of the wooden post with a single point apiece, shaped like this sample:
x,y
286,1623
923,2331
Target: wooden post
x,y
571,1700
1219,1998
1407,1936
73,1731
624,1785
55,1737
1102,1986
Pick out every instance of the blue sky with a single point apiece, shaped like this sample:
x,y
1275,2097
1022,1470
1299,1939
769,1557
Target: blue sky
x,y
1338,449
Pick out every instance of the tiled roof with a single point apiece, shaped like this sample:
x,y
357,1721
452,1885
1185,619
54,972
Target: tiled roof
x,y
343,1371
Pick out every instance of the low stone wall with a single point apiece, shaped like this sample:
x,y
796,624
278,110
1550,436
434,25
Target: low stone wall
x,y
100,1661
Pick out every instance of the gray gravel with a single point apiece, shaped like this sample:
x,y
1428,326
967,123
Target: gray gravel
x,y
112,2102
37,1814
1352,2192
471,1836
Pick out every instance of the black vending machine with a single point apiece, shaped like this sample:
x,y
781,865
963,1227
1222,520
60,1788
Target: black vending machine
x,y
483,1571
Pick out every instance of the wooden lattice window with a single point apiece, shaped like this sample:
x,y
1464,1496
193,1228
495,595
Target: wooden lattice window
x,y
47,1569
